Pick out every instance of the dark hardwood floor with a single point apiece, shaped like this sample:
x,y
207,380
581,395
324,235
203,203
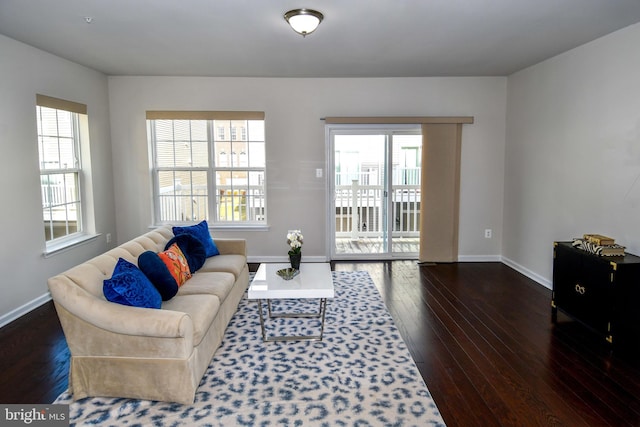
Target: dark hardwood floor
x,y
480,334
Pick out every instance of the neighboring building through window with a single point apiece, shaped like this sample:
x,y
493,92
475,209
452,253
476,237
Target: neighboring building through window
x,y
201,170
58,124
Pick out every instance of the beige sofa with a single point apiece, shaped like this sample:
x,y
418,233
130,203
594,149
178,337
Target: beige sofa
x,y
153,354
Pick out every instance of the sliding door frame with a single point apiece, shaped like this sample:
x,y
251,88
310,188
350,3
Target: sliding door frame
x,y
388,130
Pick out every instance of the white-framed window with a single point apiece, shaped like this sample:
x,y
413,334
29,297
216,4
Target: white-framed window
x,y
59,131
201,172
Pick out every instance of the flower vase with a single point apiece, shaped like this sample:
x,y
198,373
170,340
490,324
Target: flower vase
x,y
295,260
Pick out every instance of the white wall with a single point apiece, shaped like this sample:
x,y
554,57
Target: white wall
x,y
25,71
296,145
573,151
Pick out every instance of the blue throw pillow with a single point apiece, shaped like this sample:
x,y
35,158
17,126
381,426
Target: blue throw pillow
x,y
129,286
192,249
158,273
201,232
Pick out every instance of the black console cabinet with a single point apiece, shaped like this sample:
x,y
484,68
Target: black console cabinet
x,y
601,292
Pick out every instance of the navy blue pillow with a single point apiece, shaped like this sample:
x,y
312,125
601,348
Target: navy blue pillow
x,y
201,232
192,249
158,273
129,286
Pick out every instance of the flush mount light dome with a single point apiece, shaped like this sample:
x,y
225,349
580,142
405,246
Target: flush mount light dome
x,y
304,21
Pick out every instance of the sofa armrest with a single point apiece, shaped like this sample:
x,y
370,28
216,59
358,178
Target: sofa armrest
x,y
117,318
231,246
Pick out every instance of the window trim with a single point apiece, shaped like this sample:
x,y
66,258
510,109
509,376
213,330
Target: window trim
x,y
58,244
212,169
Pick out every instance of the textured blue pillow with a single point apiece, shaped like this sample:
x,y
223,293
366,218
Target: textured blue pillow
x,y
158,273
123,266
192,249
129,286
201,232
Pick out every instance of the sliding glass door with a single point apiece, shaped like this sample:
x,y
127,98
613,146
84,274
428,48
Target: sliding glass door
x,y
375,193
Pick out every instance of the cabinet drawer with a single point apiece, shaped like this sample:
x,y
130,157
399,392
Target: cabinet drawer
x,y
587,302
582,288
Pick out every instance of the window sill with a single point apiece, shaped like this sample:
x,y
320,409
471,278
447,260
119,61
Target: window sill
x,y
239,227
69,244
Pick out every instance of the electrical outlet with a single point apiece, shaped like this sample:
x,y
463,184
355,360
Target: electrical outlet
x,y
108,236
318,173
487,233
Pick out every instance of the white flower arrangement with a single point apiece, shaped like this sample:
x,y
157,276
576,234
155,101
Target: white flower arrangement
x,y
294,240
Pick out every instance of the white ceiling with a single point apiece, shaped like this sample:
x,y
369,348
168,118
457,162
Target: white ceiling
x,y
358,38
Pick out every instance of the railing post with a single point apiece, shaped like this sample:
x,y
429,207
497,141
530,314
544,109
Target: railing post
x,y
354,209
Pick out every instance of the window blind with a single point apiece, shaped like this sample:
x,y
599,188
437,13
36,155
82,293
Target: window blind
x,y
205,115
60,104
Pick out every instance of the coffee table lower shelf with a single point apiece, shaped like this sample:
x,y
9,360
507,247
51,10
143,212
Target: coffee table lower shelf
x,y
315,282
320,314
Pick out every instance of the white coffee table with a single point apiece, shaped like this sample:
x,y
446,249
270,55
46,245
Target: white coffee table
x,y
313,281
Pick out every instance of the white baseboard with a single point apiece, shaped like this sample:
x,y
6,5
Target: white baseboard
x,y
530,274
479,258
24,309
282,259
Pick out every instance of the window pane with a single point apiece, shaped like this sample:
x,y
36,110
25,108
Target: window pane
x,y
49,156
256,130
183,195
72,195
232,195
256,155
164,130
239,155
256,208
47,121
60,204
200,154
65,123
67,154
223,154
182,153
58,148
181,143
223,132
164,154
181,130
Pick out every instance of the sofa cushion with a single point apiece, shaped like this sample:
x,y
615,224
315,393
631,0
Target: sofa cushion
x,y
129,286
158,273
201,232
192,249
229,263
209,283
201,308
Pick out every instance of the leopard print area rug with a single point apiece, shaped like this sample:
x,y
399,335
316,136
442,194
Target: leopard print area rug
x,y
360,374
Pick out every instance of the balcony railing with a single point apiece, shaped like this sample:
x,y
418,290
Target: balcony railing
x,y
192,205
359,210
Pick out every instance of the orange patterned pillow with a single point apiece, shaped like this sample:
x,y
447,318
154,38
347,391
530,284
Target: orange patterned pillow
x,y
177,264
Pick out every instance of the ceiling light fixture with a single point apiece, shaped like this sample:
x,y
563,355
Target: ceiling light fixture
x,y
304,21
